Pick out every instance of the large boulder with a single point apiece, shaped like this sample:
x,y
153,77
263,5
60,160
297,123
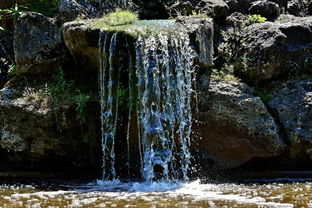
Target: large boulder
x,y
233,125
38,44
213,8
244,5
69,10
270,49
81,39
292,105
265,8
34,136
298,7
82,43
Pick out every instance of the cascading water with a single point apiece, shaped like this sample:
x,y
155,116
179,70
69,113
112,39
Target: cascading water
x,y
160,99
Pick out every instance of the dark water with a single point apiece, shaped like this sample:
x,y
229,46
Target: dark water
x,y
276,193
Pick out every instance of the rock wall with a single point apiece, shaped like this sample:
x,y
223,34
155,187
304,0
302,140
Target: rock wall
x,y
257,107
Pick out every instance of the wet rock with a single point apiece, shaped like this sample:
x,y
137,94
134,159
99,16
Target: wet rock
x,y
268,50
265,8
201,31
293,107
234,125
298,7
38,44
82,41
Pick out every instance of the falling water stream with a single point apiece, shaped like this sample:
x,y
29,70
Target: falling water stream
x,y
164,74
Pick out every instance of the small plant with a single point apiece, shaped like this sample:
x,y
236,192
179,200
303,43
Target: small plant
x,y
255,18
265,97
12,70
63,92
225,73
13,13
198,14
81,103
120,17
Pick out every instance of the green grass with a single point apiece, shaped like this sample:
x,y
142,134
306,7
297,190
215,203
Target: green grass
x,y
118,18
118,21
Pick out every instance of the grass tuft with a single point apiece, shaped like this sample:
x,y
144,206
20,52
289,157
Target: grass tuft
x,y
119,17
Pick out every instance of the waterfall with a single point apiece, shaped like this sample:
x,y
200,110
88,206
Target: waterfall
x,y
160,99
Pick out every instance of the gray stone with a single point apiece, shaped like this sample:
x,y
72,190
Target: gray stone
x,y
293,107
70,10
202,30
298,7
12,142
234,125
213,8
82,43
265,8
38,44
236,19
268,49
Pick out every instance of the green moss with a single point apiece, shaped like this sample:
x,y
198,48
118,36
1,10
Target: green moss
x,y
144,28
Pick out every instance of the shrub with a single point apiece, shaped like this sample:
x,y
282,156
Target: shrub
x,y
63,92
252,19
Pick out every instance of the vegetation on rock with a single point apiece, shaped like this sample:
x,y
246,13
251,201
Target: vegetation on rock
x,y
63,92
255,18
119,17
11,10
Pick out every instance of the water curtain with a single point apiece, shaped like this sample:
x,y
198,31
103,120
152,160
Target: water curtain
x,y
160,92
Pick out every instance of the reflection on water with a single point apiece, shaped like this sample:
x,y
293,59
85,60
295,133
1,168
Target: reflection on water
x,y
117,194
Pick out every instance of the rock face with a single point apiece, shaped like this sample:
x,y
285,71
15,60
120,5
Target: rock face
x,y
234,125
265,8
236,19
82,41
268,49
30,139
293,107
38,44
201,31
298,7
6,56
213,8
69,10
